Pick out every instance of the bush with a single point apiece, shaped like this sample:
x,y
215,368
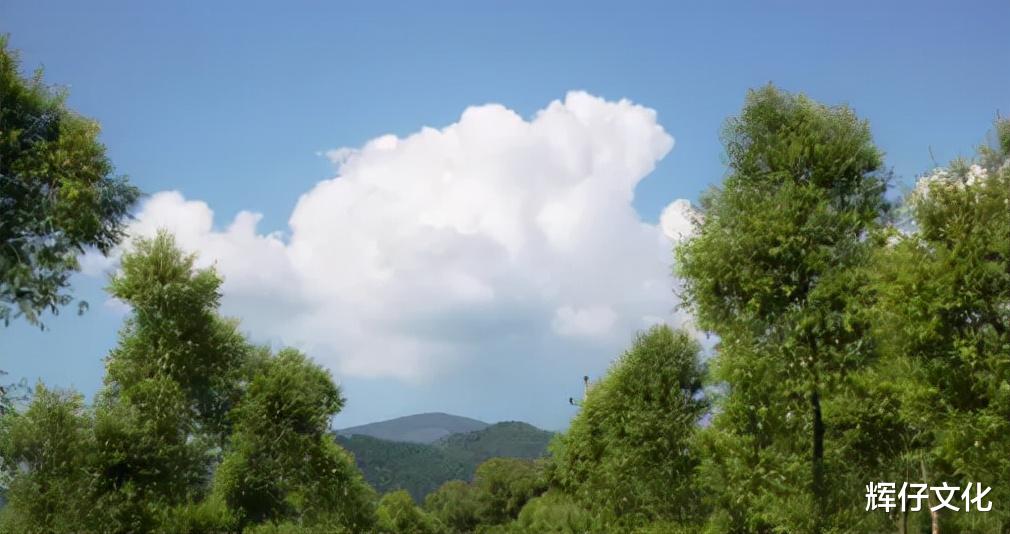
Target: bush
x,y
397,514
455,506
505,485
208,517
555,513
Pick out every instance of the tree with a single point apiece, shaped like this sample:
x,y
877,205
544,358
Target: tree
x,y
195,430
282,464
58,194
557,513
48,444
772,271
454,505
504,486
174,332
170,383
942,310
397,514
627,455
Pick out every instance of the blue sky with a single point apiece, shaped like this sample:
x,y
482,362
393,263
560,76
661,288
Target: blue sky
x,y
232,104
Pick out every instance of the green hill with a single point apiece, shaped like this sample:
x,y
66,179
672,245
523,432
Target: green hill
x,y
420,468
510,439
420,428
416,467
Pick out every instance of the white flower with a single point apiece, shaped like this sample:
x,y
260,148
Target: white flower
x,y
938,177
976,173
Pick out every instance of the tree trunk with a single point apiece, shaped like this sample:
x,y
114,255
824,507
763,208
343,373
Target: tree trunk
x,y
934,516
818,456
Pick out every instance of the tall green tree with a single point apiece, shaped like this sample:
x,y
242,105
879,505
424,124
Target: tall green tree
x,y
159,418
282,463
627,455
942,310
772,271
58,193
175,332
170,384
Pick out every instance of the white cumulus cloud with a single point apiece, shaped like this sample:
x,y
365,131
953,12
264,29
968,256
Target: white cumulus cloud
x,y
426,251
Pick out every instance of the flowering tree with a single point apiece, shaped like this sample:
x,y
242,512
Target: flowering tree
x,y
942,294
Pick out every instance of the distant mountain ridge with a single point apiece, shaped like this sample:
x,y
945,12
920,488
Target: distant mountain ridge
x,y
420,467
510,439
421,428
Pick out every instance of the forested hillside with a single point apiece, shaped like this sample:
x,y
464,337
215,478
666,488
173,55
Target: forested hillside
x,y
416,467
421,468
509,439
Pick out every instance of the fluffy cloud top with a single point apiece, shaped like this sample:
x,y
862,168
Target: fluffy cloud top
x,y
427,250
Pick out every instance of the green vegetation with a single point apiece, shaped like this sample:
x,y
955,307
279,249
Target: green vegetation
x,y
941,310
775,271
58,190
414,467
398,514
493,501
195,430
856,343
509,439
420,468
627,454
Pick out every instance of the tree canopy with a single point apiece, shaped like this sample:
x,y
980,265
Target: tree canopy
x,y
627,454
58,193
772,271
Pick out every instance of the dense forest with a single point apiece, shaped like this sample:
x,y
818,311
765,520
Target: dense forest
x,y
861,339
420,468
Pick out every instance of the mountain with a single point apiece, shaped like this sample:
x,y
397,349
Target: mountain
x,y
510,439
420,468
420,428
416,467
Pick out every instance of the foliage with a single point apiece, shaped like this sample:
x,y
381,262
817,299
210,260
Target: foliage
x,y
168,385
58,194
415,467
13,394
555,513
504,485
397,514
292,528
186,399
627,455
508,439
942,309
174,332
500,489
773,271
421,468
282,464
48,442
455,505
209,516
